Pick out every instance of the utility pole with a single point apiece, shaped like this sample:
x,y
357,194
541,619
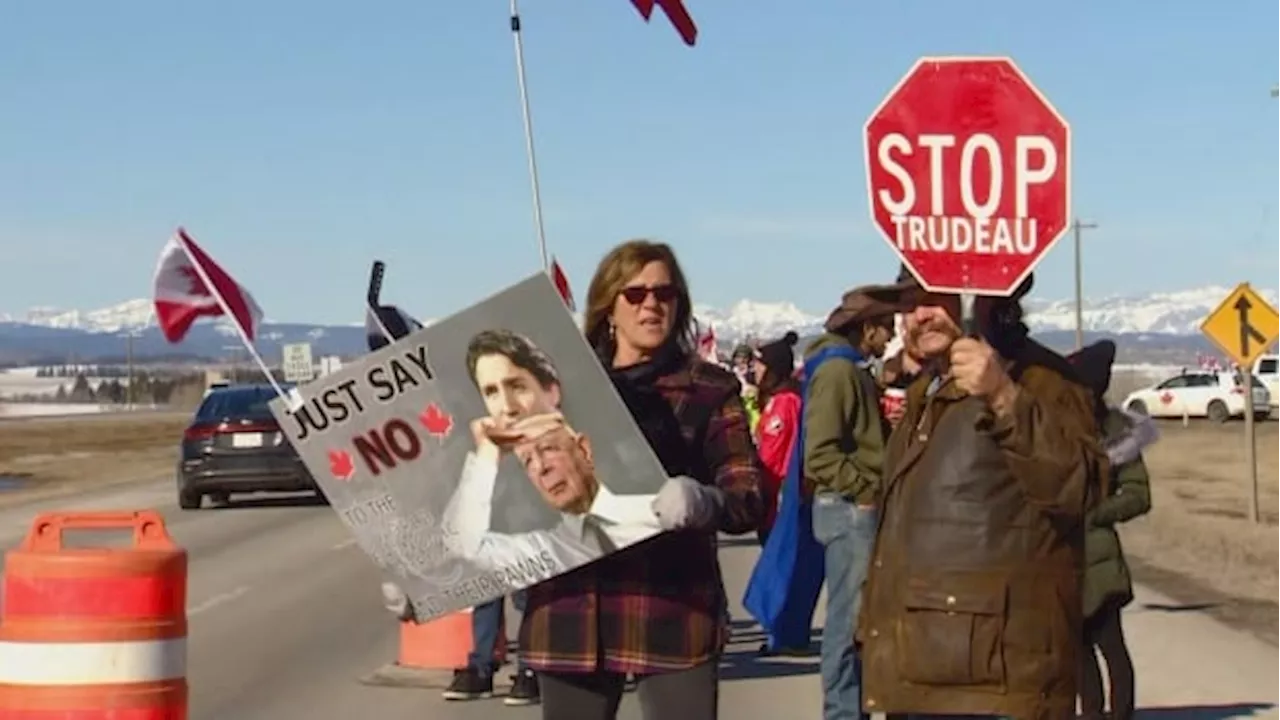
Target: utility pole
x,y
130,393
1078,227
128,352
233,374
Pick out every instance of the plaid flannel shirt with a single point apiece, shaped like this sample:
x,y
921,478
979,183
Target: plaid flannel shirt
x,y
658,606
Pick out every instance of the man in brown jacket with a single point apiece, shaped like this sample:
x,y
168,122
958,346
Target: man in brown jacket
x,y
972,602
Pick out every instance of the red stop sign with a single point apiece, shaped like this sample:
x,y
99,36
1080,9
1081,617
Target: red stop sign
x,y
967,168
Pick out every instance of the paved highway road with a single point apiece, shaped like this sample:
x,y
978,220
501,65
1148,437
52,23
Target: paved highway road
x,y
285,618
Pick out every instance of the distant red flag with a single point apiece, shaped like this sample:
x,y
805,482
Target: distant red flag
x,y
188,285
675,12
707,345
562,284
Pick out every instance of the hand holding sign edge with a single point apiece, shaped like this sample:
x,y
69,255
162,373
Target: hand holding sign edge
x,y
979,370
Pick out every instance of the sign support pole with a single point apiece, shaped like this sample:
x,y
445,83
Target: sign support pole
x,y
1251,444
968,322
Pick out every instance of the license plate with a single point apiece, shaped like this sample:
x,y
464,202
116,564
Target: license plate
x,y
246,440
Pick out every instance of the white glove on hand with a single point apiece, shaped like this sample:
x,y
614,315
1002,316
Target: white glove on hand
x,y
683,502
394,599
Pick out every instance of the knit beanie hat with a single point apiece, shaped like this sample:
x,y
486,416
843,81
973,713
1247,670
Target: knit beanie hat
x,y
778,355
1093,365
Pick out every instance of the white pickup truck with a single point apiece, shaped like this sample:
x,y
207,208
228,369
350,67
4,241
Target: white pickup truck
x,y
1265,369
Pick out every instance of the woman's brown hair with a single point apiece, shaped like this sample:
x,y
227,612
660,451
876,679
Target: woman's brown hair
x,y
612,275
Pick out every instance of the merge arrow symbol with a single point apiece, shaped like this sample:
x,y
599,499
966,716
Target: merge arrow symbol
x,y
1247,331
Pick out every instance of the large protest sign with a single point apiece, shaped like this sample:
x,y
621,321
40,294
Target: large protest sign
x,y
481,455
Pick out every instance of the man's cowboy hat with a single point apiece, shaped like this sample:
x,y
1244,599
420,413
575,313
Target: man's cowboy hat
x,y
870,302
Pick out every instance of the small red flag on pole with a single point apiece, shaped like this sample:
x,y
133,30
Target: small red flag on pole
x,y
562,284
675,12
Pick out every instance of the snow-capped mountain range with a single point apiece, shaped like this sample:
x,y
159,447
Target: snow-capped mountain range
x,y
1174,313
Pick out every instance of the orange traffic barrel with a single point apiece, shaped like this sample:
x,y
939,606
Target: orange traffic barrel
x,y
429,651
94,633
444,643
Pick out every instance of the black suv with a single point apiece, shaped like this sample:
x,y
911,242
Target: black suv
x,y
234,445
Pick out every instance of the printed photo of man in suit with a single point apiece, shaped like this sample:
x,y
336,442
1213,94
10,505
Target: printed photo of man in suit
x,y
522,393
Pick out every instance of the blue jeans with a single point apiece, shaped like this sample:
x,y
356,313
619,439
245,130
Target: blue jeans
x,y
847,534
486,623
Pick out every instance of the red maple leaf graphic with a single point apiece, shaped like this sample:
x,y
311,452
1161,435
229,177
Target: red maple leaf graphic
x,y
340,464
195,285
1166,398
436,421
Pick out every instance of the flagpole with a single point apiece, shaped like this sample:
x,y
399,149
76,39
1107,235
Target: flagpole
x,y
528,134
376,274
226,309
382,327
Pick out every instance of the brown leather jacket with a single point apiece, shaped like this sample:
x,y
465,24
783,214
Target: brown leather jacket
x,y
972,601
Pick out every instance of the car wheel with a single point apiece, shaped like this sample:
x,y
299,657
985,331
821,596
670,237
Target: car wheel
x,y
219,499
1138,407
1218,412
1262,416
189,499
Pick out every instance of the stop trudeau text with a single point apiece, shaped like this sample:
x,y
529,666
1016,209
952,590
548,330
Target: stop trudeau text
x,y
385,381
974,228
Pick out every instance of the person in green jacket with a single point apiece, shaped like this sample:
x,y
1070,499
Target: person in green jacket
x,y
1108,586
844,436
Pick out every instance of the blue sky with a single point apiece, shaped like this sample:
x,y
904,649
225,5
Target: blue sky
x,y
298,141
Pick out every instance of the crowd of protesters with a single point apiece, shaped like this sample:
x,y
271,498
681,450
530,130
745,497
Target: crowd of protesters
x,y
958,500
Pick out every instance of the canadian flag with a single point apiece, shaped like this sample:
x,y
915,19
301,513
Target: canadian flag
x,y
676,13
190,285
562,284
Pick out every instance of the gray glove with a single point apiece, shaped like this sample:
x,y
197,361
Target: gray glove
x,y
683,502
394,599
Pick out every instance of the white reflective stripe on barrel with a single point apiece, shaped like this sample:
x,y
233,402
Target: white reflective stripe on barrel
x,y
92,663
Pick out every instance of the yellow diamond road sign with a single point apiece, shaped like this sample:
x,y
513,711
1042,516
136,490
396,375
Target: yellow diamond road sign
x,y
1244,325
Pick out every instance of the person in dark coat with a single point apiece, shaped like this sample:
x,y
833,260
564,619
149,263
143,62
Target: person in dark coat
x,y
972,602
1108,587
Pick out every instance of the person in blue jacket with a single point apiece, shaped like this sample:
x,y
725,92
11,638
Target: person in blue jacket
x,y
827,518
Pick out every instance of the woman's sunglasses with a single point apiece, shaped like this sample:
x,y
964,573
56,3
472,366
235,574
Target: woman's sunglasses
x,y
637,294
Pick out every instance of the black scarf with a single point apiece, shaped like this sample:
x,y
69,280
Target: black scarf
x,y
641,376
637,386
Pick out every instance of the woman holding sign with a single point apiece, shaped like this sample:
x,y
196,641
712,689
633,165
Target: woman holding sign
x,y
656,610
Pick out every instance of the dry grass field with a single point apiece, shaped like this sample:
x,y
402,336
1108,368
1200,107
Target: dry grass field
x,y
58,455
1197,543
